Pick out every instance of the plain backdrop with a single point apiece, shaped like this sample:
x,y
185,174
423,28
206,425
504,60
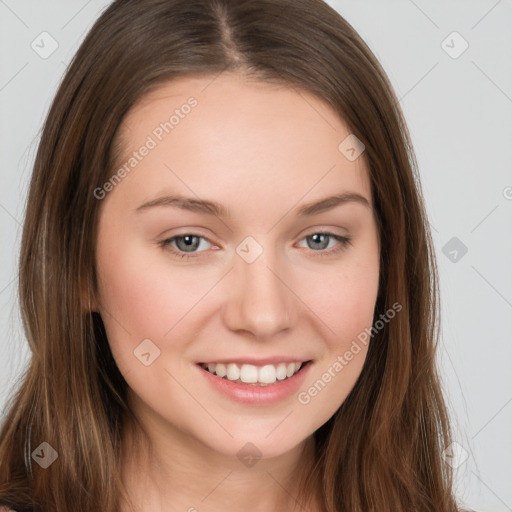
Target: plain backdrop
x,y
450,63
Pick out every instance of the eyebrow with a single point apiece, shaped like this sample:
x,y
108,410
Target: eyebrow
x,y
214,208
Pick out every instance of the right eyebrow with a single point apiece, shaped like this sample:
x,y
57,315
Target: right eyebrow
x,y
186,203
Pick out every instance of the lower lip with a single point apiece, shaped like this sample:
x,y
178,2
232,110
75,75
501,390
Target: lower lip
x,y
254,394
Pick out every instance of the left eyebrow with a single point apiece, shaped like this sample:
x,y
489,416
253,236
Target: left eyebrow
x,y
330,202
213,208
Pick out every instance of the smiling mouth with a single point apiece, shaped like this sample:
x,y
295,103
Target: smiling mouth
x,y
251,374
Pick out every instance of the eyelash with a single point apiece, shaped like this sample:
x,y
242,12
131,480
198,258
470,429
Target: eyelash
x,y
344,241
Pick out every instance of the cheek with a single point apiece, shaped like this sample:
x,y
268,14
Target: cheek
x,y
346,315
355,306
134,305
344,300
143,295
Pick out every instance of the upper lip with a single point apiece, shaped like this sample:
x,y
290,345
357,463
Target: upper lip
x,y
256,362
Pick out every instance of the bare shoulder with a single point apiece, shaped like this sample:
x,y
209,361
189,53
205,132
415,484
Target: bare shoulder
x,y
5,509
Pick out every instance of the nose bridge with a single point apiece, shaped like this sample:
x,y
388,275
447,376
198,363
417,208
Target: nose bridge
x,y
260,301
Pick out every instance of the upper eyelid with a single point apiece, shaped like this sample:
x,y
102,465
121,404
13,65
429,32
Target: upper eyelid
x,y
314,232
192,233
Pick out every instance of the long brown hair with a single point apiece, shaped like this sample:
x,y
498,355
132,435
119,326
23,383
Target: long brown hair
x,y
382,449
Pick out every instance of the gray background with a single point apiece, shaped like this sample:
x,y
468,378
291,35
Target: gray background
x,y
459,114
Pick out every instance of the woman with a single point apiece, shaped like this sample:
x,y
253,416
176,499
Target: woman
x,y
268,370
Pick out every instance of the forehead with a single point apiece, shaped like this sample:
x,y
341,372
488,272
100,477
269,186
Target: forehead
x,y
249,136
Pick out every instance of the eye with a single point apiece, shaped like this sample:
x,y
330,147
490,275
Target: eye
x,y
187,243
321,240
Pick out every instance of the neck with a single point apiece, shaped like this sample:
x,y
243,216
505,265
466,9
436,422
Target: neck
x,y
178,472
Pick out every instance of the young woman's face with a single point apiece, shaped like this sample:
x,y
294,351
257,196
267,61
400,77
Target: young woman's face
x,y
255,283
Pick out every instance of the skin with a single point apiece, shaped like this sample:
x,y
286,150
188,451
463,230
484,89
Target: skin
x,y
262,151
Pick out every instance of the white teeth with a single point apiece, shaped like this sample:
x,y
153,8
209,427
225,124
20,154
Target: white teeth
x,y
267,374
251,374
281,371
233,372
220,370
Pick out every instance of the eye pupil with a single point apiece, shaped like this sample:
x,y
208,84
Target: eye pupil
x,y
317,240
188,242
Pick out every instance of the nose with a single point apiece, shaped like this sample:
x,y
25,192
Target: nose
x,y
260,300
